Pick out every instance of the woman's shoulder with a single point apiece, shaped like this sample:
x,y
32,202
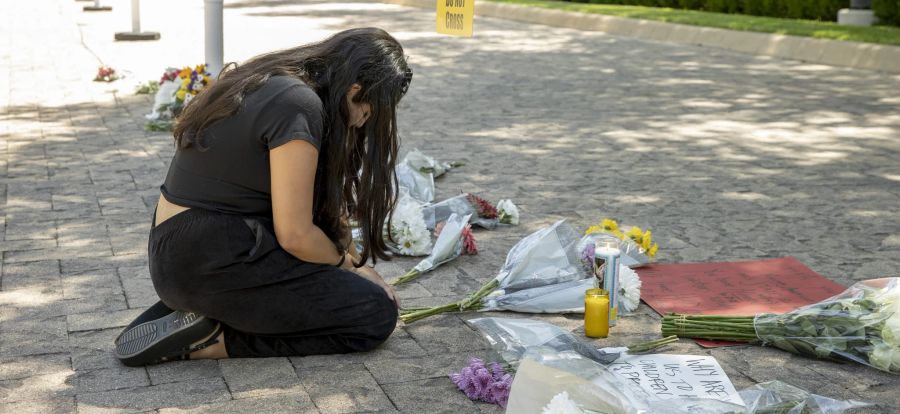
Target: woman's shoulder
x,y
290,91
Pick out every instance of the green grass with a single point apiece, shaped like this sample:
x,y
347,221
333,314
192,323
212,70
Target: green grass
x,y
811,28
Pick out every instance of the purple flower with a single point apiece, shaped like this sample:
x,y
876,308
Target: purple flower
x,y
481,383
588,257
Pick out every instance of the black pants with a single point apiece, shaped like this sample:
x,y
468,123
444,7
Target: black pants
x,y
231,268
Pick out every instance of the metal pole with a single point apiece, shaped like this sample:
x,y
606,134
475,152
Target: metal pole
x,y
97,7
136,33
215,49
135,16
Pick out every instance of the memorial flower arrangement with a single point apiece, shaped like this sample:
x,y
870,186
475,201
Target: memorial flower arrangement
x,y
454,238
106,74
176,89
508,212
542,274
489,383
482,212
408,234
861,324
636,245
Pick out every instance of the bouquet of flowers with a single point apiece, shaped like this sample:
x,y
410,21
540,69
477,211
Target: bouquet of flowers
x,y
636,245
542,273
482,212
176,89
106,74
861,324
408,234
416,173
454,238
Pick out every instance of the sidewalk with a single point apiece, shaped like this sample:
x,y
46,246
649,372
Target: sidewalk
x,y
725,156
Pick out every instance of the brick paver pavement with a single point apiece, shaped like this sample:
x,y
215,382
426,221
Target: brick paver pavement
x,y
723,155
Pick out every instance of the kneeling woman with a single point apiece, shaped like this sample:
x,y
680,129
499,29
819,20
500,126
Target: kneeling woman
x,y
250,250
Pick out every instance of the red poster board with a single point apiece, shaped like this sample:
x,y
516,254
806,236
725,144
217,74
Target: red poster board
x,y
733,288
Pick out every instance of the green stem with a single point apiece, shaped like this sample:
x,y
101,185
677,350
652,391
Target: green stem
x,y
410,275
422,314
475,298
651,345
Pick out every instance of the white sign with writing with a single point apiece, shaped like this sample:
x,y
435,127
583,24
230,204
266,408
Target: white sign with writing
x,y
677,376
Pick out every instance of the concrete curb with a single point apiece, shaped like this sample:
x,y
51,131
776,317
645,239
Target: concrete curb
x,y
883,58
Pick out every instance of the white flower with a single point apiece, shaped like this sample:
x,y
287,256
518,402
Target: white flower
x,y
885,357
561,404
891,331
508,212
408,228
629,289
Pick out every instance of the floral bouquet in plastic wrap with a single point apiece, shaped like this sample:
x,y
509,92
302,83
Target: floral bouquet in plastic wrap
x,y
417,171
454,238
176,88
407,233
636,245
482,212
861,324
542,274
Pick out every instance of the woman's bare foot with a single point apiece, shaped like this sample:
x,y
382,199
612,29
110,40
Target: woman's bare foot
x,y
214,351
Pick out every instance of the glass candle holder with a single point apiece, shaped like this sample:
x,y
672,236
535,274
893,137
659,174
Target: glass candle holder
x,y
609,254
596,313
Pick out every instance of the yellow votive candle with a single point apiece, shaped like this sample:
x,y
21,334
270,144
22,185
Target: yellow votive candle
x,y
596,313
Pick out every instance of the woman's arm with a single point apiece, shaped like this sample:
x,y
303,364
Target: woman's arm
x,y
293,170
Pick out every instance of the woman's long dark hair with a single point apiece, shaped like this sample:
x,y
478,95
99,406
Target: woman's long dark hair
x,y
355,176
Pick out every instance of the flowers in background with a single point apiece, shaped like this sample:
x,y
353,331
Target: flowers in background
x,y
176,89
606,226
629,289
106,74
484,383
561,404
483,207
508,212
482,212
643,239
636,245
408,233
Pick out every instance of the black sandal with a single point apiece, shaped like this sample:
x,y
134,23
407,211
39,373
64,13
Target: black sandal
x,y
168,338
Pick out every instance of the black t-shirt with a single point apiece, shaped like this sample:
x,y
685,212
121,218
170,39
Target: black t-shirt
x,y
231,174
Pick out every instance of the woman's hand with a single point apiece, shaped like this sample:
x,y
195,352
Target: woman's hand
x,y
370,274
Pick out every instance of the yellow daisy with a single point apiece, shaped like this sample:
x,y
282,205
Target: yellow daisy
x,y
651,252
646,240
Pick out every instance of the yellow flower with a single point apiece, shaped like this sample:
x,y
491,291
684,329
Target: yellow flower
x,y
618,234
635,234
594,229
185,73
609,225
201,68
645,242
180,94
651,252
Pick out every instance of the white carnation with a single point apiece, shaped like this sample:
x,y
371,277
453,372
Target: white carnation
x,y
629,289
561,404
508,212
408,229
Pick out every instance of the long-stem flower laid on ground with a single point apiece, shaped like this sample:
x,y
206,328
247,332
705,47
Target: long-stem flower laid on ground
x,y
483,213
416,173
454,238
862,324
542,273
